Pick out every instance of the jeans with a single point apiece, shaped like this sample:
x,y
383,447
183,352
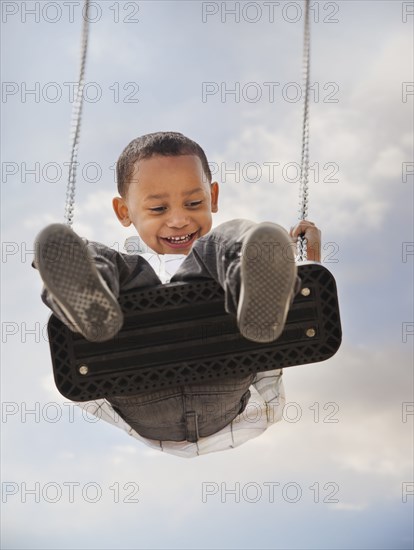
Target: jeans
x,y
193,411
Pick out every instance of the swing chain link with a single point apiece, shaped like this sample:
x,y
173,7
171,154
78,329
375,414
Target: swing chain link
x,y
302,252
76,122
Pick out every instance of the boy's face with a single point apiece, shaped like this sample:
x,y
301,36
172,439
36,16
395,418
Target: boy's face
x,y
169,202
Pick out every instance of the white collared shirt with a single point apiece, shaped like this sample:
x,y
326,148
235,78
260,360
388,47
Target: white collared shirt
x,y
263,409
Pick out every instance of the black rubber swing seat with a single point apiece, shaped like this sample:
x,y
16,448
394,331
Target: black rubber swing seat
x,y
180,334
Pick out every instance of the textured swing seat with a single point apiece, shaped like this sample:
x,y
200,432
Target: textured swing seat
x,y
180,334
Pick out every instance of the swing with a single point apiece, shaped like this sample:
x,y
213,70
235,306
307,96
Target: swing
x,y
180,333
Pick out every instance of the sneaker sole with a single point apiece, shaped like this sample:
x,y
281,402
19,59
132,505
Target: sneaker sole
x,y
68,273
268,275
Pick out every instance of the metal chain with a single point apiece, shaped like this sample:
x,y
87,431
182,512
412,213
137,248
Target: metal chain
x,y
302,252
76,121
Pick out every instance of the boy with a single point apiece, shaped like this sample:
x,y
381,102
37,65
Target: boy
x,y
166,192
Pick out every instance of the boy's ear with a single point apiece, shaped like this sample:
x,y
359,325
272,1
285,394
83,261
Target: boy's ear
x,y
121,211
214,196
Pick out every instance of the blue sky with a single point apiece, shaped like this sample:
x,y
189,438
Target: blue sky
x,y
356,455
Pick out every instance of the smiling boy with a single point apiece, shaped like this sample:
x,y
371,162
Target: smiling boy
x,y
169,201
166,192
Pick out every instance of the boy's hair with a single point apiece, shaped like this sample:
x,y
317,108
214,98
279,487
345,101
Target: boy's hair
x,y
168,144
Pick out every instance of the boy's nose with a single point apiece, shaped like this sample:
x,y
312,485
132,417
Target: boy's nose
x,y
178,219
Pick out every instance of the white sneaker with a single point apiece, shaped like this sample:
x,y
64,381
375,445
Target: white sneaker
x,y
268,277
71,277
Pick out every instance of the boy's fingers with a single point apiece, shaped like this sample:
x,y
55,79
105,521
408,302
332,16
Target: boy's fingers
x,y
313,236
301,227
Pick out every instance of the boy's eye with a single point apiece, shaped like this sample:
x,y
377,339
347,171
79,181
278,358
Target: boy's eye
x,y
161,209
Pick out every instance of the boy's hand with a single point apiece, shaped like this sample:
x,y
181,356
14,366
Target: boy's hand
x,y
313,236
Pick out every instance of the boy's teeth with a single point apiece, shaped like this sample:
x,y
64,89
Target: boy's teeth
x,y
180,239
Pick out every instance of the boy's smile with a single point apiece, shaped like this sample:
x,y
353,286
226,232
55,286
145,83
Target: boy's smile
x,y
169,201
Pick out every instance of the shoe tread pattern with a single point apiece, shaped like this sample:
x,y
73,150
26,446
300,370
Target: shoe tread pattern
x,y
268,275
73,280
